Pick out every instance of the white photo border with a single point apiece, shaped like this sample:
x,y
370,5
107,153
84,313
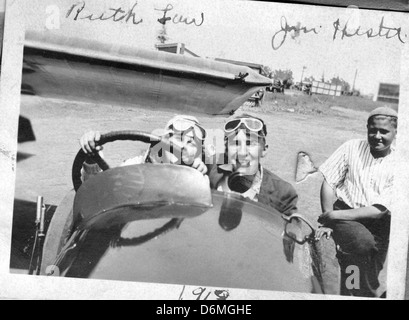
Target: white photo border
x,y
28,287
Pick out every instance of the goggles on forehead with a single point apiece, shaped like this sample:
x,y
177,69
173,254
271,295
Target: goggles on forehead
x,y
251,124
182,125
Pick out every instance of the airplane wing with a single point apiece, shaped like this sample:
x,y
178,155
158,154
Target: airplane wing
x,y
76,69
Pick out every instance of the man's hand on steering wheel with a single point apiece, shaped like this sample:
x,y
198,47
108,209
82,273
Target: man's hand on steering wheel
x,y
89,142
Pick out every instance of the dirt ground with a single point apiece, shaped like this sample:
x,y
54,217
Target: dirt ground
x,y
45,165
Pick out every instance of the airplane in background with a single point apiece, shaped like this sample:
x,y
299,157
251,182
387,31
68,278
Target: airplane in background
x,y
86,70
80,70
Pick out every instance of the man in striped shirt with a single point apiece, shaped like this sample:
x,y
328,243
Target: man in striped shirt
x,y
360,174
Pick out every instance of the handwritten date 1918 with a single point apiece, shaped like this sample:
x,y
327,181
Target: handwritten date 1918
x,y
203,294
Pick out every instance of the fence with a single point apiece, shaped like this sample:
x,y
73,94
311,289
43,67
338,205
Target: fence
x,y
326,88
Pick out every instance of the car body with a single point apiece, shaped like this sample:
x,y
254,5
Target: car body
x,y
162,224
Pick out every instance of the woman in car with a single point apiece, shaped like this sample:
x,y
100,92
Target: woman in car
x,y
182,130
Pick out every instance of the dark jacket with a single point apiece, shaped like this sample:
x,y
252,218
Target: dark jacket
x,y
274,191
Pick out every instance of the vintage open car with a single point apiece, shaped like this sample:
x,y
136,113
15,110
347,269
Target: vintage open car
x,y
162,223
157,222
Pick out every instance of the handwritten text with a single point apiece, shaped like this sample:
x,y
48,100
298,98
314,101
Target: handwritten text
x,y
280,36
80,11
380,32
177,18
114,14
204,294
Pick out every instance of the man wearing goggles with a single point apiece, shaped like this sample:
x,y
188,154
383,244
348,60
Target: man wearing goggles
x,y
242,172
182,130
246,122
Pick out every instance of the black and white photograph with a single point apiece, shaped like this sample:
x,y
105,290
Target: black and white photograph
x,y
222,149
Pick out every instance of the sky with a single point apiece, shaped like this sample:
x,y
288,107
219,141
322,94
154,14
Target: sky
x,y
243,30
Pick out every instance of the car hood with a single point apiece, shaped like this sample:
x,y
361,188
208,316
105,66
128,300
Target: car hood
x,y
228,242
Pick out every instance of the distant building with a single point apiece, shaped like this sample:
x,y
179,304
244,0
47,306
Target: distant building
x,y
178,48
388,92
319,87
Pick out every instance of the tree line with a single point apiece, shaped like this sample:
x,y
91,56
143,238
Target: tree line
x,y
286,76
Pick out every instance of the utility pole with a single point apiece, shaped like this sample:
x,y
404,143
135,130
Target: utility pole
x,y
302,74
353,85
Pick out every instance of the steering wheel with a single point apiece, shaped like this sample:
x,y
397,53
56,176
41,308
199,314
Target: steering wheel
x,y
111,137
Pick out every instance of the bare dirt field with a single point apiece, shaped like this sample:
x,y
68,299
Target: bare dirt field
x,y
44,166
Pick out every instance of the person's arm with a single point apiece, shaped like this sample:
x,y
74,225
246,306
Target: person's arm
x,y
290,199
89,169
88,143
371,212
327,197
376,211
277,193
327,203
333,170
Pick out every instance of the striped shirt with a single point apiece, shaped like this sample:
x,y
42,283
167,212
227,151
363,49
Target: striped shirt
x,y
359,179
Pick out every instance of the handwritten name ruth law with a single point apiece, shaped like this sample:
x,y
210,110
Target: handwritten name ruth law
x,y
341,31
79,11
